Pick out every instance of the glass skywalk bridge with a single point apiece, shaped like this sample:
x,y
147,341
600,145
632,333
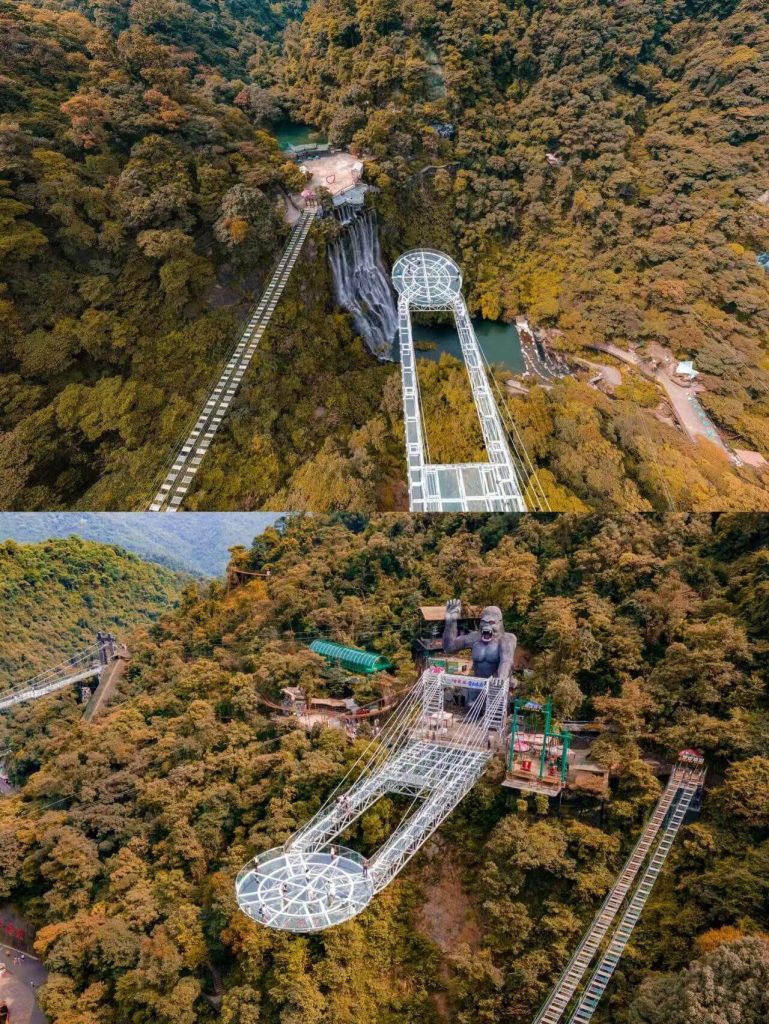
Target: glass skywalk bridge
x,y
428,752
430,280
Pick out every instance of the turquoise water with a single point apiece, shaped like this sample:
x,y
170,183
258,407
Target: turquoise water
x,y
289,133
499,342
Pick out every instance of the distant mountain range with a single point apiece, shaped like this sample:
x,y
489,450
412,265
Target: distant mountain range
x,y
56,593
197,542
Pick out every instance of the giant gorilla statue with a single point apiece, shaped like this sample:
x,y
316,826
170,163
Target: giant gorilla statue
x,y
493,649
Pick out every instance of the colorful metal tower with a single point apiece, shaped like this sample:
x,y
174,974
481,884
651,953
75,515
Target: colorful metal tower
x,y
538,755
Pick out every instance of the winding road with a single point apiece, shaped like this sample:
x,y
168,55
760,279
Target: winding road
x,y
687,408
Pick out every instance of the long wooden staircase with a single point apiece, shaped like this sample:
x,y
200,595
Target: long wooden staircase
x,y
685,782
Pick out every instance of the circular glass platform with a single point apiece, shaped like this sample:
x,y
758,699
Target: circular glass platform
x,y
299,891
429,279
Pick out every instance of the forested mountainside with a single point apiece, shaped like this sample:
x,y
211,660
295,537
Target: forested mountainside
x,y
56,595
644,228
658,115
196,543
142,209
138,210
125,839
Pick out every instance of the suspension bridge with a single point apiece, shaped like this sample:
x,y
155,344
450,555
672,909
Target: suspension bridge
x,y
188,457
92,661
433,752
428,280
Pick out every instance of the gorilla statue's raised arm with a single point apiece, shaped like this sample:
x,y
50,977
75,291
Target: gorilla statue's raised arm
x,y
493,649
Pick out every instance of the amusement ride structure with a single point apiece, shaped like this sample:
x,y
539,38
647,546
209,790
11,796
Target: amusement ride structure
x,y
507,482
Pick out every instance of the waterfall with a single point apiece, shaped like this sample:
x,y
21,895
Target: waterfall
x,y
361,283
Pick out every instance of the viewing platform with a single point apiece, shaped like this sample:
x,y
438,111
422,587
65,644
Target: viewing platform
x,y
304,891
429,280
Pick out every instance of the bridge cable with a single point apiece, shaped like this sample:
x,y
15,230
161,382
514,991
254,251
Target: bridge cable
x,y
513,434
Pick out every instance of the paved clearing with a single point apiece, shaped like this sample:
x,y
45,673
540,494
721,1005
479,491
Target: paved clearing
x,y
333,172
610,374
21,978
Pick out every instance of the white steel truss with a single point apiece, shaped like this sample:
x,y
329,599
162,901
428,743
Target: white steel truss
x,y
426,753
495,714
432,695
684,782
430,280
81,666
456,771
188,458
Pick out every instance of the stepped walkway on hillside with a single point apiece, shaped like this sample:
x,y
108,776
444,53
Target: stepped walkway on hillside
x,y
685,783
189,456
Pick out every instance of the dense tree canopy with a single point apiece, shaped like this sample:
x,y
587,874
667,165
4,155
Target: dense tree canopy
x,y
643,228
730,983
134,190
125,838
54,597
141,208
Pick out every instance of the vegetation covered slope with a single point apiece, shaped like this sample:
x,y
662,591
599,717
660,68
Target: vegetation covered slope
x,y
55,595
141,215
197,543
317,422
645,229
126,837
139,208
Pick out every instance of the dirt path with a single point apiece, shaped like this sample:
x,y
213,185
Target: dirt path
x,y
109,680
687,408
610,374
446,916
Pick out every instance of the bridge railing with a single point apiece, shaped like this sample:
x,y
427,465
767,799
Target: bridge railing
x,y
684,781
80,666
604,970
